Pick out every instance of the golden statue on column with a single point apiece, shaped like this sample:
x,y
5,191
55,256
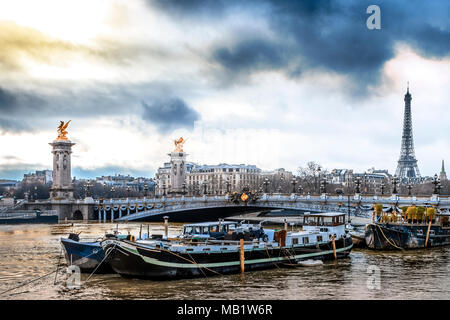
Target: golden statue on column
x,y
62,130
179,144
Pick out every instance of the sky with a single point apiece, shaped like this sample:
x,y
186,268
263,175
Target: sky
x,y
270,82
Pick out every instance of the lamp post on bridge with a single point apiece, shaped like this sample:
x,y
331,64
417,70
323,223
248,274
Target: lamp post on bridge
x,y
318,181
300,190
228,186
436,182
112,192
145,190
266,184
382,188
324,186
394,182
365,183
88,186
409,187
204,187
128,191
184,188
358,184
164,190
294,183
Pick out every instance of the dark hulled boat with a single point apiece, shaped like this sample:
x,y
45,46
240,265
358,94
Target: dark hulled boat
x,y
88,255
185,259
409,233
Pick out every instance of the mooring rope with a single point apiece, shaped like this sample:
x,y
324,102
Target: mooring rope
x,y
388,239
57,265
197,264
106,256
23,284
181,257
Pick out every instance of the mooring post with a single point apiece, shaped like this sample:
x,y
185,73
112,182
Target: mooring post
x,y
242,255
334,247
166,227
148,231
140,233
428,233
285,225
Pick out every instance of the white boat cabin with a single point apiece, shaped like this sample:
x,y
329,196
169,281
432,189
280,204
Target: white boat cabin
x,y
208,229
318,228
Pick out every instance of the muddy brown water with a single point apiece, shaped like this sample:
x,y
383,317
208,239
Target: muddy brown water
x,y
31,251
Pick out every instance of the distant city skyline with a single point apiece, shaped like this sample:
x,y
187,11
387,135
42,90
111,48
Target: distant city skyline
x,y
262,82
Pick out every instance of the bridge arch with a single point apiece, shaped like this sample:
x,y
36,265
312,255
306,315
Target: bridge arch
x,y
77,215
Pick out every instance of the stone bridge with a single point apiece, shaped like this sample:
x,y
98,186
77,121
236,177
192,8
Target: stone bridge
x,y
201,208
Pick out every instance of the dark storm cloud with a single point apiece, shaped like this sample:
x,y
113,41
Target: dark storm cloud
x,y
20,107
324,35
168,114
254,54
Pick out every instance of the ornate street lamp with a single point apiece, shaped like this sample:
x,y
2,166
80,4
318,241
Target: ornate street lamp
x,y
394,182
300,190
228,186
266,184
128,191
294,183
382,188
409,187
164,190
204,187
88,186
112,192
184,187
358,184
145,190
365,182
318,181
435,182
279,189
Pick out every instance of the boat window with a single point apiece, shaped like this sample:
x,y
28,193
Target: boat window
x,y
305,240
205,230
187,230
213,228
319,239
294,240
197,230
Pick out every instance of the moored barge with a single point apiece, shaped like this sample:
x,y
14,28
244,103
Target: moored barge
x,y
413,228
323,238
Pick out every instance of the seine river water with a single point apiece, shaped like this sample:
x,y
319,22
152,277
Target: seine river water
x,y
30,251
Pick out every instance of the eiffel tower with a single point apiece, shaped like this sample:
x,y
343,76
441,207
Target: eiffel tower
x,y
407,168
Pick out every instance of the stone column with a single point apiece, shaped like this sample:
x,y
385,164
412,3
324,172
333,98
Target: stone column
x,y
62,187
178,171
